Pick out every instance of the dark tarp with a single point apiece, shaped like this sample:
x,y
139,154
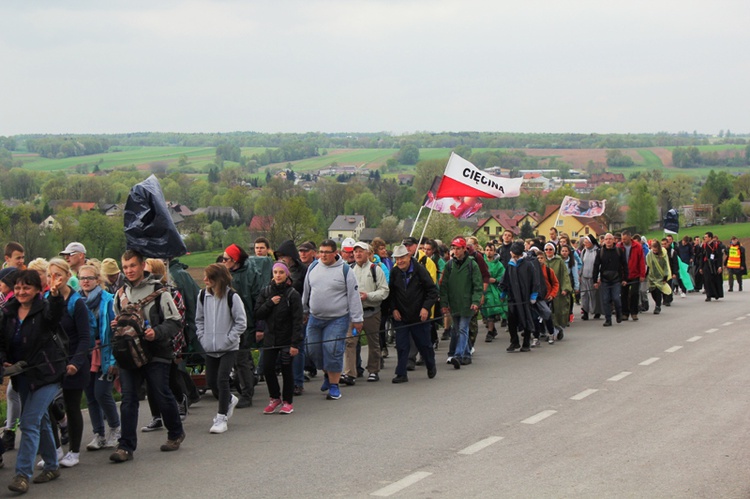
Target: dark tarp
x,y
149,228
672,222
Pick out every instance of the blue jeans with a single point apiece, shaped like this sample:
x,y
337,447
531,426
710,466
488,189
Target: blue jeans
x,y
459,346
101,403
156,375
421,334
298,367
36,429
610,293
325,342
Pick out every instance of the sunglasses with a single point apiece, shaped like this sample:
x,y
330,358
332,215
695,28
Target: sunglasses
x,y
88,278
225,258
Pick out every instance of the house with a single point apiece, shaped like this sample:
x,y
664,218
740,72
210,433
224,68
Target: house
x,y
367,235
405,179
183,210
346,226
260,225
50,223
83,206
501,220
219,212
575,227
598,179
535,182
112,210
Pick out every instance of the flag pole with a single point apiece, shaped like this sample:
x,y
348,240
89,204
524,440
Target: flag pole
x,y
414,225
425,227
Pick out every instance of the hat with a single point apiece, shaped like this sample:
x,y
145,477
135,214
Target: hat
x,y
593,239
74,248
517,248
282,266
347,244
306,247
400,251
109,267
550,244
363,245
408,241
8,276
459,242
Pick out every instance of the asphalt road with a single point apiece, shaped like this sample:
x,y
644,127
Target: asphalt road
x,y
657,408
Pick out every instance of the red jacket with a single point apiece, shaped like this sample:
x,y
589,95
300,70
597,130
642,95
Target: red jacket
x,y
636,262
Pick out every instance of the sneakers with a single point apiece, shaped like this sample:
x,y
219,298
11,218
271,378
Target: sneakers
x,y
272,406
71,459
456,363
449,360
232,404
432,372
19,484
183,408
334,393
657,310
286,408
400,379
513,347
220,424
535,342
298,390
111,438
245,401
121,455
97,443
682,294
60,454
373,377
46,476
172,445
154,425
326,384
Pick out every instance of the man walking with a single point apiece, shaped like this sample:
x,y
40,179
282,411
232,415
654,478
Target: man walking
x,y
734,261
636,274
610,269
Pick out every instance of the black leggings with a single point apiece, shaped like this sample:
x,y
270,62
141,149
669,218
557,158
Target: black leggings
x,y
72,400
287,374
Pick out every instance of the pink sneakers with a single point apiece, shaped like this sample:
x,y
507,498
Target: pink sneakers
x,y
272,406
286,408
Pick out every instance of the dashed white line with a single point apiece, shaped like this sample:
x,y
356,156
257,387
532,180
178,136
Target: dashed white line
x,y
539,417
712,330
648,362
673,349
694,339
728,323
741,318
474,448
618,377
584,394
391,489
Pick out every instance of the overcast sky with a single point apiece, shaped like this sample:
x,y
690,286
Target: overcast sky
x,y
366,66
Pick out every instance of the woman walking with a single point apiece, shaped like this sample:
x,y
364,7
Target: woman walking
x,y
659,275
220,320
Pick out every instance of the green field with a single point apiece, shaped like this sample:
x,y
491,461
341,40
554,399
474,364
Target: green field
x,y
200,259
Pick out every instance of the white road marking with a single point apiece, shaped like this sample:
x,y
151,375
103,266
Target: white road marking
x,y
648,362
741,318
474,448
584,394
539,417
727,323
401,484
694,339
618,377
712,330
673,349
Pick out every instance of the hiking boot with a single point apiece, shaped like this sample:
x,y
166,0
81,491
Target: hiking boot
x,y
635,317
607,323
400,379
272,406
111,438
9,439
411,365
286,408
154,425
220,424
19,484
47,476
98,442
233,402
432,372
121,455
172,445
618,318
584,315
71,459
334,393
488,338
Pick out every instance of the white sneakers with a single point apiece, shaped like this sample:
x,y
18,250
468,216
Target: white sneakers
x,y
232,404
220,424
112,438
97,443
70,460
40,464
682,294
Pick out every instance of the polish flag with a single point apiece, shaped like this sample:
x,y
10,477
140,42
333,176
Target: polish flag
x,y
461,178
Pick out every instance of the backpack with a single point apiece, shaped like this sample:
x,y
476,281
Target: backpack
x,y
345,267
230,299
128,334
372,271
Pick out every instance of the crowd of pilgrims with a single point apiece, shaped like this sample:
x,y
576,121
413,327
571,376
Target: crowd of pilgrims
x,y
253,303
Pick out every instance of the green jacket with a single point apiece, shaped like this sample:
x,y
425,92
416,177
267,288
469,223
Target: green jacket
x,y
185,283
461,287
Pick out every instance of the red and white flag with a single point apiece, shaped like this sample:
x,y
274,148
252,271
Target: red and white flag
x,y
462,179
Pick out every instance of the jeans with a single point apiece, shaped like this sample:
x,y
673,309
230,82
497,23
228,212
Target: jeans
x,y
218,371
101,403
36,430
421,335
611,294
459,346
156,375
325,342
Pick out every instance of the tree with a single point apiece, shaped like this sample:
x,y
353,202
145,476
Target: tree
x,y
463,150
425,173
365,204
442,226
295,221
731,209
389,192
527,231
408,154
615,157
642,207
718,187
389,229
100,232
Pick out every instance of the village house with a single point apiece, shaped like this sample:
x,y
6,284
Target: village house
x,y
575,227
346,226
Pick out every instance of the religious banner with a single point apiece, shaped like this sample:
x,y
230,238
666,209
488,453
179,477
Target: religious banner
x,y
573,207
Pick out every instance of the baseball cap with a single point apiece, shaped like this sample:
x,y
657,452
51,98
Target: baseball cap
x,y
408,241
348,244
306,247
74,248
459,242
363,245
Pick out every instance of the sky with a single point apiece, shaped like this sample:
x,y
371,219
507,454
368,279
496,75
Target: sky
x,y
397,66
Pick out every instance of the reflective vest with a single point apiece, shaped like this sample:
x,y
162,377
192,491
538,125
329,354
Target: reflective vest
x,y
733,261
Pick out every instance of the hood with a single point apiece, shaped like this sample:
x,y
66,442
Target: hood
x,y
288,248
175,263
147,279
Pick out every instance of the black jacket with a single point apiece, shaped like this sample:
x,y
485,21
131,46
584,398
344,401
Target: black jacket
x,y
411,291
610,265
46,363
283,321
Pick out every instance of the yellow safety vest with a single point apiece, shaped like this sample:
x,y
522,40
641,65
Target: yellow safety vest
x,y
733,261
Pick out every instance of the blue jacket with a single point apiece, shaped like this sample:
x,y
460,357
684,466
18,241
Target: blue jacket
x,y
106,315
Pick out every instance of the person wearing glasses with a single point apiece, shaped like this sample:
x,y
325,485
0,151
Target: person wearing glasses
x,y
75,255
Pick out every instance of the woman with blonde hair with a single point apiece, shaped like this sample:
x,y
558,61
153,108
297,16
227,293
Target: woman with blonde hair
x,y
220,320
40,265
103,370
